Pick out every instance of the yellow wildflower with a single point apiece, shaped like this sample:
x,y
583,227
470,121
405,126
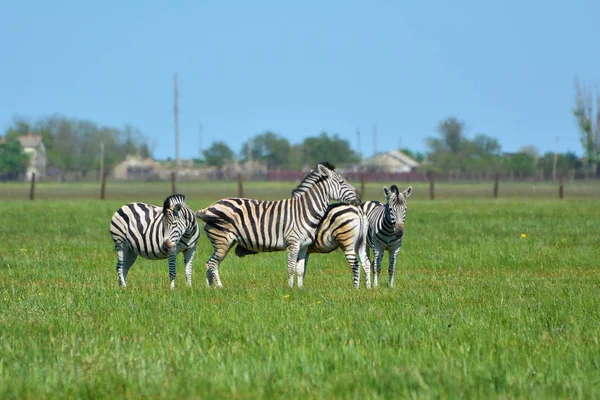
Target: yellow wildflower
x,y
287,296
523,235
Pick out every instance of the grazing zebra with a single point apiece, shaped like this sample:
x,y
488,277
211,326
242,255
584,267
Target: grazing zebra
x,y
386,228
140,229
260,226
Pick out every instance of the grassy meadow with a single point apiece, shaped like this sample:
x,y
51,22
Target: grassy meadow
x,y
493,298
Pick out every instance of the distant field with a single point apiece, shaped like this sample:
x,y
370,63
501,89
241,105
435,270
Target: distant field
x,y
209,191
493,299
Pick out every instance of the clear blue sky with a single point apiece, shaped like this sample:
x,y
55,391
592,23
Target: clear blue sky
x,y
299,68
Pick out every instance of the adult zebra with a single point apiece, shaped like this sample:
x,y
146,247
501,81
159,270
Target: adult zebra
x,y
386,228
140,229
344,225
261,226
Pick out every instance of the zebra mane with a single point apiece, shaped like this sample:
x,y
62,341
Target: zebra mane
x,y
312,178
172,201
328,165
394,189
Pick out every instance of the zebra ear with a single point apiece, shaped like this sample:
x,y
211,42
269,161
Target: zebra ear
x,y
177,208
407,192
386,192
323,170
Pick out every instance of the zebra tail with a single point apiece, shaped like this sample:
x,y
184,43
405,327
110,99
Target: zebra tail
x,y
202,213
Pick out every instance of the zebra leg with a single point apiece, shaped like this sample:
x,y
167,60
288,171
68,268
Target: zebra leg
x,y
221,248
172,271
188,256
125,259
392,267
377,257
212,268
351,257
292,258
128,261
120,274
301,263
366,266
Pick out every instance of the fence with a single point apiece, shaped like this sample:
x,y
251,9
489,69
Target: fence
x,y
495,186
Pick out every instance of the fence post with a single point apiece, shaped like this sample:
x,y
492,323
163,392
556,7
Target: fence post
x,y
240,186
497,178
561,187
362,185
103,187
173,179
32,188
432,185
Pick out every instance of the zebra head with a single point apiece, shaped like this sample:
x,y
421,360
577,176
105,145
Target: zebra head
x,y
396,207
336,187
174,224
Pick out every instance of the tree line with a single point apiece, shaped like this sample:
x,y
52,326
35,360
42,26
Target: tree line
x,y
74,148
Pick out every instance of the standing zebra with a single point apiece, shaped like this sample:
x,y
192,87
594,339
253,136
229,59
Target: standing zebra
x,y
345,226
140,229
260,226
386,228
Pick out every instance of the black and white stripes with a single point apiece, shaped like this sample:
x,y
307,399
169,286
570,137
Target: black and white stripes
x,y
386,228
260,226
156,233
344,226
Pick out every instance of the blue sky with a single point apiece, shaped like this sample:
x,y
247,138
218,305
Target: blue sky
x,y
300,68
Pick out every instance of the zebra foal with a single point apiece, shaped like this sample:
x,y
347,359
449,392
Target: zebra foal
x,y
262,226
155,233
386,228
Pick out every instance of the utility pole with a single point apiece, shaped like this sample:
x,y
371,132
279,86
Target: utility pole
x,y
374,139
249,151
101,159
176,113
201,147
358,143
555,160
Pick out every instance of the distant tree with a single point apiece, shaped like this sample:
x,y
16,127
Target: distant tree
x,y
523,163
417,156
445,151
588,120
269,148
482,155
13,160
328,148
218,154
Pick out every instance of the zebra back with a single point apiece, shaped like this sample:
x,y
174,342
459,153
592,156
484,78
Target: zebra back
x,y
152,232
270,225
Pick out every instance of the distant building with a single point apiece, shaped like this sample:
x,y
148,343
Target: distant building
x,y
34,146
391,161
137,169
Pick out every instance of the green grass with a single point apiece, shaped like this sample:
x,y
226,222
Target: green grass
x,y
478,311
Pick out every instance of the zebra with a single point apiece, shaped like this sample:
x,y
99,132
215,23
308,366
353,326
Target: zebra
x,y
155,233
386,228
262,226
344,225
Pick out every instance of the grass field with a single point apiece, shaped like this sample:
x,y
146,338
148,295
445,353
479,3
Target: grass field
x,y
493,299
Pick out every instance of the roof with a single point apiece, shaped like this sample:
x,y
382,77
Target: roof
x,y
27,141
393,158
30,140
